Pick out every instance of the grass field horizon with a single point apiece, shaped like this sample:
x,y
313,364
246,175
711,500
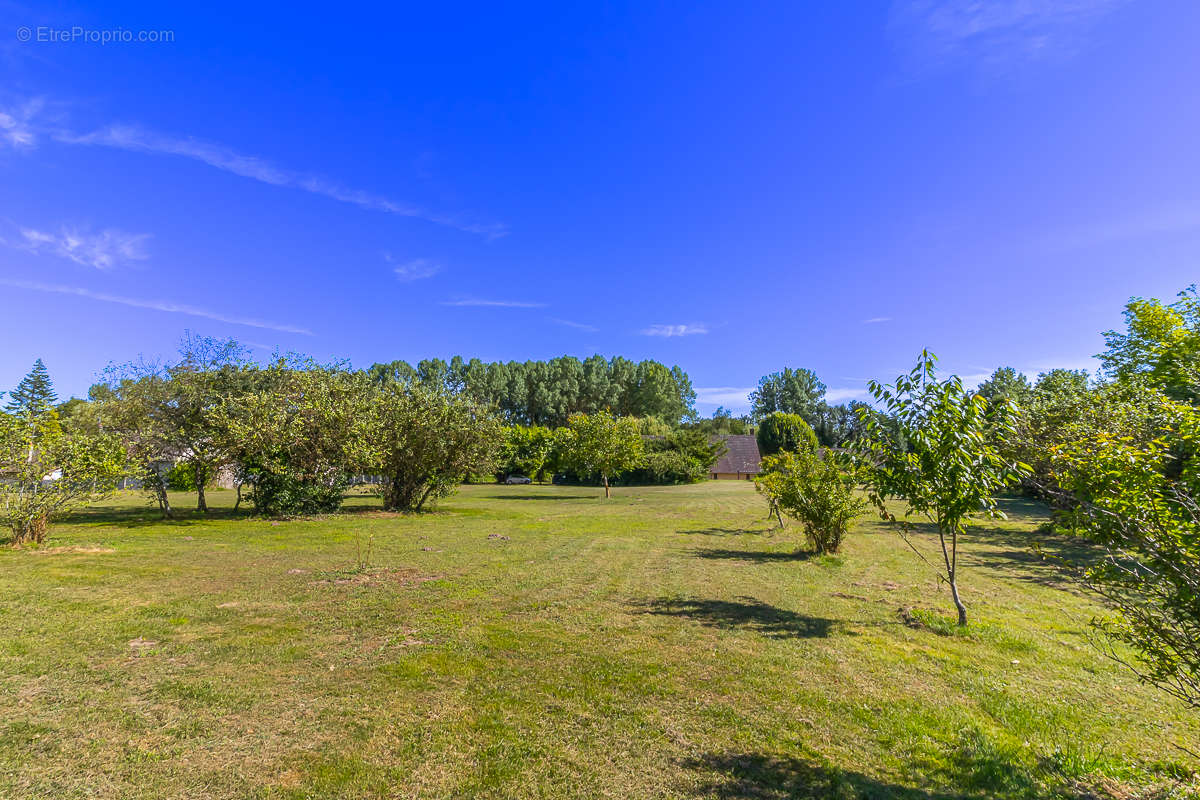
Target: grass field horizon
x,y
542,642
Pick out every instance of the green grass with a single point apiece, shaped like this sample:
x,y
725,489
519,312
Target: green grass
x,y
540,642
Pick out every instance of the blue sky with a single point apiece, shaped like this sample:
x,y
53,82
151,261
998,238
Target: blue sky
x,y
734,188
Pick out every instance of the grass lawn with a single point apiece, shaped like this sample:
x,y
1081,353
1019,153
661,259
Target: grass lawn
x,y
540,642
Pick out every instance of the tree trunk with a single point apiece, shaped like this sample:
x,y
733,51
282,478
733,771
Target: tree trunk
x,y
958,603
951,557
31,530
164,502
201,473
606,492
238,503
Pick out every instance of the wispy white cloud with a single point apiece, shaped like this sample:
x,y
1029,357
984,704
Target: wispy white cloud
x,y
738,396
16,128
876,320
675,330
579,326
104,250
476,302
155,305
135,139
996,32
414,269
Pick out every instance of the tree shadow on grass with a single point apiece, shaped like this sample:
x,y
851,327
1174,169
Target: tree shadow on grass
x,y
744,612
734,776
145,516
763,556
721,532
544,496
1042,556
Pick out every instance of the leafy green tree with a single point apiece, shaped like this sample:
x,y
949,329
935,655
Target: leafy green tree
x,y
548,392
680,456
792,391
1140,501
1006,384
943,457
721,423
779,432
524,451
1161,343
34,394
167,414
838,425
298,434
601,444
814,488
48,471
426,440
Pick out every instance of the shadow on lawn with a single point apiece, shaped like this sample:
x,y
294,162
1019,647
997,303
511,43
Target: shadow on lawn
x,y
543,496
766,777
751,555
142,516
744,612
721,532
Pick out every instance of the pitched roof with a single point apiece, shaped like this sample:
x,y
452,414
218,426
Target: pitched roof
x,y
741,455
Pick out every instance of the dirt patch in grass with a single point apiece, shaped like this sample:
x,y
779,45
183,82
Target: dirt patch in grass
x,y
72,548
374,577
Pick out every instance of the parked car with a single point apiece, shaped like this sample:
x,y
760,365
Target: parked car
x,y
515,479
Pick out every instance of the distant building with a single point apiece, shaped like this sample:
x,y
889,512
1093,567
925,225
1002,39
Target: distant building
x,y
740,461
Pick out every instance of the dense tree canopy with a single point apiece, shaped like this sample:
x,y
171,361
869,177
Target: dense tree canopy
x,y
549,392
792,391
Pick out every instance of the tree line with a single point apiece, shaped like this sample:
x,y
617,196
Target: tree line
x,y
547,393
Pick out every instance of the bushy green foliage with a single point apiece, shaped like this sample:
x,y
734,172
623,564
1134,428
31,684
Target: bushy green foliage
x,y
943,456
779,432
298,434
682,456
601,444
814,488
1139,499
1161,344
524,451
46,471
424,441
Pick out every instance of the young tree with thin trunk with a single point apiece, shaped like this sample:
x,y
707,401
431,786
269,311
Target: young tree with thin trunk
x,y
601,444
941,455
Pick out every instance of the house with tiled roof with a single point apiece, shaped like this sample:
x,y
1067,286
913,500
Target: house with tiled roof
x,y
740,461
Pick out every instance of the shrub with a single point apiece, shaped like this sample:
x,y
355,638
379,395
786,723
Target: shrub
x,y
284,494
48,471
426,441
781,432
814,489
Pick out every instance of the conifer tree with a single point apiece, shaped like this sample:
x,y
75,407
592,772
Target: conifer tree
x,y
35,393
